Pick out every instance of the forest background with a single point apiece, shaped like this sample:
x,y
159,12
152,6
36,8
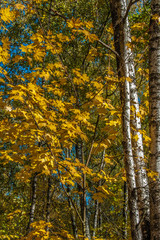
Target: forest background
x,y
80,155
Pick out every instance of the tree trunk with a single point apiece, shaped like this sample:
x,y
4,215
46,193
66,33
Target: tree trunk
x,y
137,144
72,212
118,9
86,231
96,202
125,210
73,217
95,219
154,96
33,201
48,202
83,203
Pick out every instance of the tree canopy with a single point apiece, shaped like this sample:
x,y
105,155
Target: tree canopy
x,y
74,136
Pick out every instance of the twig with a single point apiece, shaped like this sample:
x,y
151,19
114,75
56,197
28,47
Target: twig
x,y
56,13
94,136
128,8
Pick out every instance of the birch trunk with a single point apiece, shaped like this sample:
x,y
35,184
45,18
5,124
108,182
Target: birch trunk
x,y
118,9
154,95
95,219
33,201
137,145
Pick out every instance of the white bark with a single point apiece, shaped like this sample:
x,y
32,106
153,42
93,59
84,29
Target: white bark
x,y
33,201
118,9
154,84
137,145
129,166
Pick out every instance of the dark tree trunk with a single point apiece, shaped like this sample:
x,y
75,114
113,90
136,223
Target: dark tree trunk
x,y
48,202
154,98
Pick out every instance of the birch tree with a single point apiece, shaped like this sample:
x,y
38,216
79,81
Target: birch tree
x,y
33,201
134,155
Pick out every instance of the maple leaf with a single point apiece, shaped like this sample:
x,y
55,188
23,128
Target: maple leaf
x,y
74,23
4,57
89,36
5,42
63,38
7,15
89,24
39,54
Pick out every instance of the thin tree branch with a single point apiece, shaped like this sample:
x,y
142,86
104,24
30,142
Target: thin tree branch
x,y
128,9
56,13
94,136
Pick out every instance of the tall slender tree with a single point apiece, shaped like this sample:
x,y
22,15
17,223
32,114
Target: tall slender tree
x,y
134,155
154,97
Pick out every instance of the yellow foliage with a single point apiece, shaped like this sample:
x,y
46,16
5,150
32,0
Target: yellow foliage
x,y
156,17
89,36
63,38
19,6
89,24
74,23
151,174
39,54
7,15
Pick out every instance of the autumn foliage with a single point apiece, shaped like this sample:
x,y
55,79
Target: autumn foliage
x,y
62,167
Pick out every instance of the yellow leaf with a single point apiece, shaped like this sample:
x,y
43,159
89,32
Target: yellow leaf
x,y
152,174
89,25
89,36
17,58
62,37
135,137
124,178
129,79
74,23
2,80
138,26
7,14
5,42
19,6
24,48
39,54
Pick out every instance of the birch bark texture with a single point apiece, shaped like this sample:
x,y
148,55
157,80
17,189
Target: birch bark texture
x,y
133,156
137,144
154,98
33,201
